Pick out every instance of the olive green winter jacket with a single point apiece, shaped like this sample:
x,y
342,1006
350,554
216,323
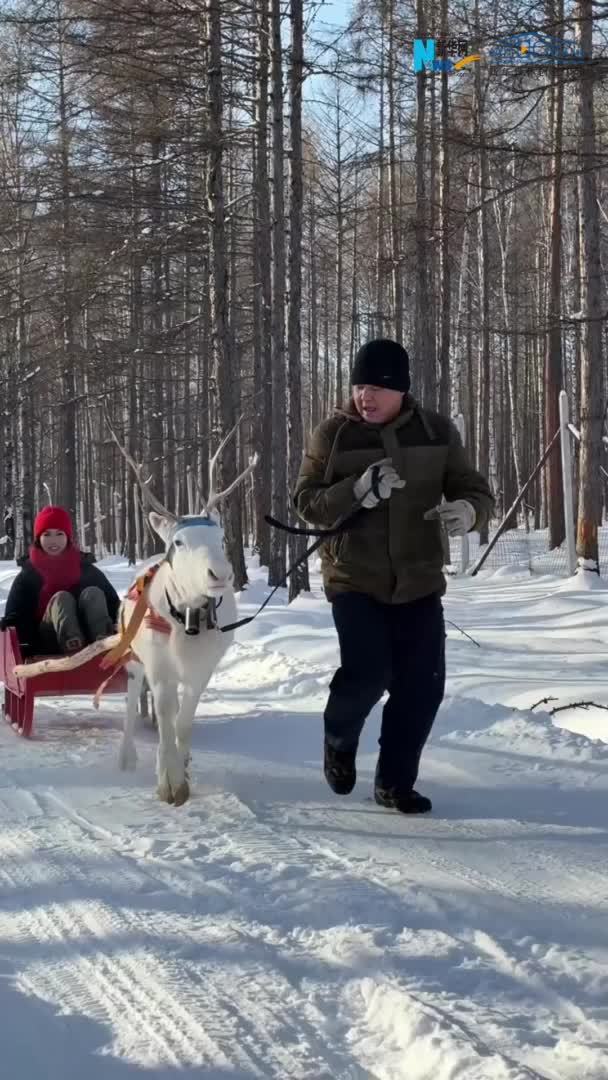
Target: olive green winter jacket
x,y
389,552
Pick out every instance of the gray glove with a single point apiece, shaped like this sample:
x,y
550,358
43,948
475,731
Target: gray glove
x,y
458,516
376,483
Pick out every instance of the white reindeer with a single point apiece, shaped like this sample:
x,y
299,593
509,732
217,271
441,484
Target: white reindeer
x,y
192,590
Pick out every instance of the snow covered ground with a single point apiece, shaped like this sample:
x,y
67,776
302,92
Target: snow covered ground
x,y
272,929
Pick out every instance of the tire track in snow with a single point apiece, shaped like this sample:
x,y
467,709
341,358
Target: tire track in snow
x,y
85,971
84,983
247,844
395,863
120,991
224,855
140,972
107,968
374,869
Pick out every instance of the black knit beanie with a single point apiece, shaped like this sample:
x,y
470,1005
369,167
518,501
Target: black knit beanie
x,y
382,362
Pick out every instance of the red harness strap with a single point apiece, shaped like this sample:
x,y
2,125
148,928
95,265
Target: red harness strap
x,y
152,620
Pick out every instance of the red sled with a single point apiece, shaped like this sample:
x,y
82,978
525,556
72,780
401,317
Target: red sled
x,y
20,694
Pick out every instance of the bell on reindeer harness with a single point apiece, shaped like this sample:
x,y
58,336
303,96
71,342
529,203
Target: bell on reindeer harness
x,y
192,620
192,617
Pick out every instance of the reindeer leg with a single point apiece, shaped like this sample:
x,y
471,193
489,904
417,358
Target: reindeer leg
x,y
127,752
183,737
169,767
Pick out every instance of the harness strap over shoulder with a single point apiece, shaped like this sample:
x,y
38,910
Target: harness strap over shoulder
x,y
142,588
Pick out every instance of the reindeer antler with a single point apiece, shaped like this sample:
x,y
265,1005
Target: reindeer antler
x,y
149,496
216,496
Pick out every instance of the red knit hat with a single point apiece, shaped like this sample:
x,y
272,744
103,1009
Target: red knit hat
x,y
53,517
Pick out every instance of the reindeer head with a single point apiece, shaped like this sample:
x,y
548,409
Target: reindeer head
x,y
194,550
199,570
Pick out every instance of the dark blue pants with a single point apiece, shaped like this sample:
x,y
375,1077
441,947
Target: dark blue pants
x,y
394,647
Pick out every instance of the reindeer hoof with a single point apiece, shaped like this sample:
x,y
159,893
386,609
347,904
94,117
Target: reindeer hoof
x,y
164,793
182,793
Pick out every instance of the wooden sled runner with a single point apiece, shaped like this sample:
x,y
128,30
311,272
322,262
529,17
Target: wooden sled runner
x,y
20,693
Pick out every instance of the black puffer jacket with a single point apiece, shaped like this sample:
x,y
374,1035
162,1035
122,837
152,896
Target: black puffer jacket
x,y
22,602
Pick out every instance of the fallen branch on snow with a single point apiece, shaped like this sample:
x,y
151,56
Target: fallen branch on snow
x,y
543,701
571,705
579,705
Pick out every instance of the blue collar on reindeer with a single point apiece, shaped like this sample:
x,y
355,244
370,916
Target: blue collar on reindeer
x,y
186,523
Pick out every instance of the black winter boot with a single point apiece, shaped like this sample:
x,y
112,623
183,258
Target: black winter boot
x,y
407,802
93,610
339,769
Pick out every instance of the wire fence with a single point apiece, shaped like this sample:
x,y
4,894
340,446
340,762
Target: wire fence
x,y
518,549
528,549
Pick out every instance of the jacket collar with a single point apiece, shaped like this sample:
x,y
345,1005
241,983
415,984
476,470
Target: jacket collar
x,y
409,407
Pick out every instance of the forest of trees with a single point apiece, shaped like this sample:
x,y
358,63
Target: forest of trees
x,y
206,207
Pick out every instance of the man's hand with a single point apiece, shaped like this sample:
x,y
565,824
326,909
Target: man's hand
x,y
377,482
458,516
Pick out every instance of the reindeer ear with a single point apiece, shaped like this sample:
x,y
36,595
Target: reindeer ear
x,y
161,525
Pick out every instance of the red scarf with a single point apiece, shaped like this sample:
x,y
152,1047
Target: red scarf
x,y
57,572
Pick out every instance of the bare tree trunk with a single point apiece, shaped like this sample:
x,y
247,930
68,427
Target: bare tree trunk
x,y
339,249
503,210
227,466
393,173
541,518
432,247
24,493
263,288
277,566
423,349
574,278
377,322
354,320
299,580
577,299
458,380
517,415
326,372
553,354
132,392
189,403
68,495
472,429
483,448
315,389
590,495
445,263
155,364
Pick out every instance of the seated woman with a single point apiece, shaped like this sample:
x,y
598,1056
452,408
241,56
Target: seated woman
x,y
60,601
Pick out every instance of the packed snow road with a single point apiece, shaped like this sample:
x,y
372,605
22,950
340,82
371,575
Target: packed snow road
x,y
269,928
